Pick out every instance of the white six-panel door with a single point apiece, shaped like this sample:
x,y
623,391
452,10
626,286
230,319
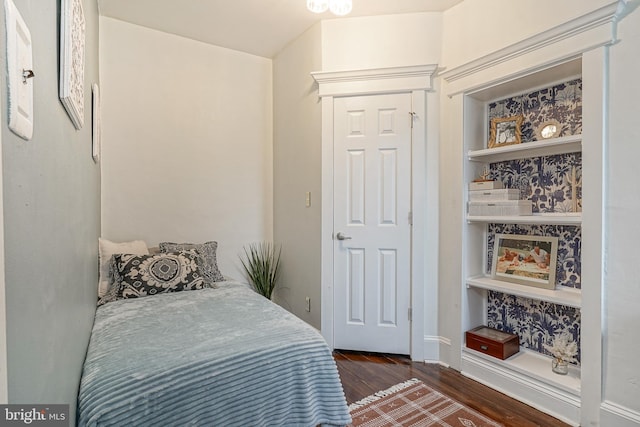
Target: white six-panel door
x,y
372,231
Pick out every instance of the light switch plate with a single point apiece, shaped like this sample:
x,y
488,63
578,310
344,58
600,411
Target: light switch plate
x,y
20,72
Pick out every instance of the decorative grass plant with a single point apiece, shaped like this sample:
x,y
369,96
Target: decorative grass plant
x,y
261,262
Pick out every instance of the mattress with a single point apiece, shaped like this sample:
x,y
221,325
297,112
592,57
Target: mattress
x,y
211,357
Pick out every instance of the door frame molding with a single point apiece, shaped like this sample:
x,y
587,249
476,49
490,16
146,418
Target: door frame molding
x,y
417,80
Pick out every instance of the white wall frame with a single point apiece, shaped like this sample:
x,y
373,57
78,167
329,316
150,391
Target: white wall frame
x,y
595,77
417,80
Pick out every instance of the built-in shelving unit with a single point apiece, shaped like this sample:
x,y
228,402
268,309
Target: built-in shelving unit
x,y
475,90
527,375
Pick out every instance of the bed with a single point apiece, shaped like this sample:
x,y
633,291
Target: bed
x,y
209,357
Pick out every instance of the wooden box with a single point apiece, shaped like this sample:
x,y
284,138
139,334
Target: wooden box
x,y
493,342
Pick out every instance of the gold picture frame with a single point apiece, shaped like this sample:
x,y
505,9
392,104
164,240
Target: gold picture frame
x,y
505,131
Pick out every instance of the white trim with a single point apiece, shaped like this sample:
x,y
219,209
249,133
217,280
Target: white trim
x,y
432,345
612,414
326,240
378,80
416,80
595,98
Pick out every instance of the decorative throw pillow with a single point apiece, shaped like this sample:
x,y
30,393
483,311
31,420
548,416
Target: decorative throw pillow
x,y
106,249
208,253
143,275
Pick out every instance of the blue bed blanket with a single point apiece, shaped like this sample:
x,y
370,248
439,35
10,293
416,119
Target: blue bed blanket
x,y
213,357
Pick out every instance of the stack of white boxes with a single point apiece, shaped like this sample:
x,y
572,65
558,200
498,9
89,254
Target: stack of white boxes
x,y
488,198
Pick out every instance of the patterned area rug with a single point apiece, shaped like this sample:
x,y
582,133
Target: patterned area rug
x,y
414,404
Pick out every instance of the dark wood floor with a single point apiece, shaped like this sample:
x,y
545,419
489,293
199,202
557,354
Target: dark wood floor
x,y
363,374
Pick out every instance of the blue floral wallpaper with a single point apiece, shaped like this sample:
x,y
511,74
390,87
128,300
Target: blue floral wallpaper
x,y
535,322
553,184
562,102
549,181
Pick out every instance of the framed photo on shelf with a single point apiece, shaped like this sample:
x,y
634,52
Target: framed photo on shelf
x,y
526,260
505,131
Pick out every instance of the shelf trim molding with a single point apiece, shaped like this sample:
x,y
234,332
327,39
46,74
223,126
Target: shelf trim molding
x,y
562,145
528,219
609,14
570,298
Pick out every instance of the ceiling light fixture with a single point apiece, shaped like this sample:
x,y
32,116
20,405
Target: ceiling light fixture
x,y
340,7
337,7
318,6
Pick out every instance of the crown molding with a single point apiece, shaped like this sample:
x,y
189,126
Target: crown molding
x,y
376,80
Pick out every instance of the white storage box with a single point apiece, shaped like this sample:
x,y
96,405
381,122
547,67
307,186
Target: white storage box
x,y
494,195
485,185
501,208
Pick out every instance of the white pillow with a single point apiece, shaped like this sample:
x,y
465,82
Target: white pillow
x,y
106,249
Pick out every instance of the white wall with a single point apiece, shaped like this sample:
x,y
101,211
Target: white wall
x,y
475,28
381,41
622,293
297,170
187,141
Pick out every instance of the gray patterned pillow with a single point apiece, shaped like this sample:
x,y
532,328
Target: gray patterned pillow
x,y
143,275
208,253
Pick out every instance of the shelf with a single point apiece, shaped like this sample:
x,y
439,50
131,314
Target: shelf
x,y
534,365
565,144
560,219
568,297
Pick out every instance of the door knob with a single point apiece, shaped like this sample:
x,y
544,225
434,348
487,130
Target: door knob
x,y
341,236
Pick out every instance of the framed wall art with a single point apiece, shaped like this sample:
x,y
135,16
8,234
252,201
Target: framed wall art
x,y
526,260
72,41
505,131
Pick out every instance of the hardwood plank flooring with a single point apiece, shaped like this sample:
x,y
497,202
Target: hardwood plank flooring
x,y
363,374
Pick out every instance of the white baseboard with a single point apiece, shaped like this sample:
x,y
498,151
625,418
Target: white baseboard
x,y
433,349
612,414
